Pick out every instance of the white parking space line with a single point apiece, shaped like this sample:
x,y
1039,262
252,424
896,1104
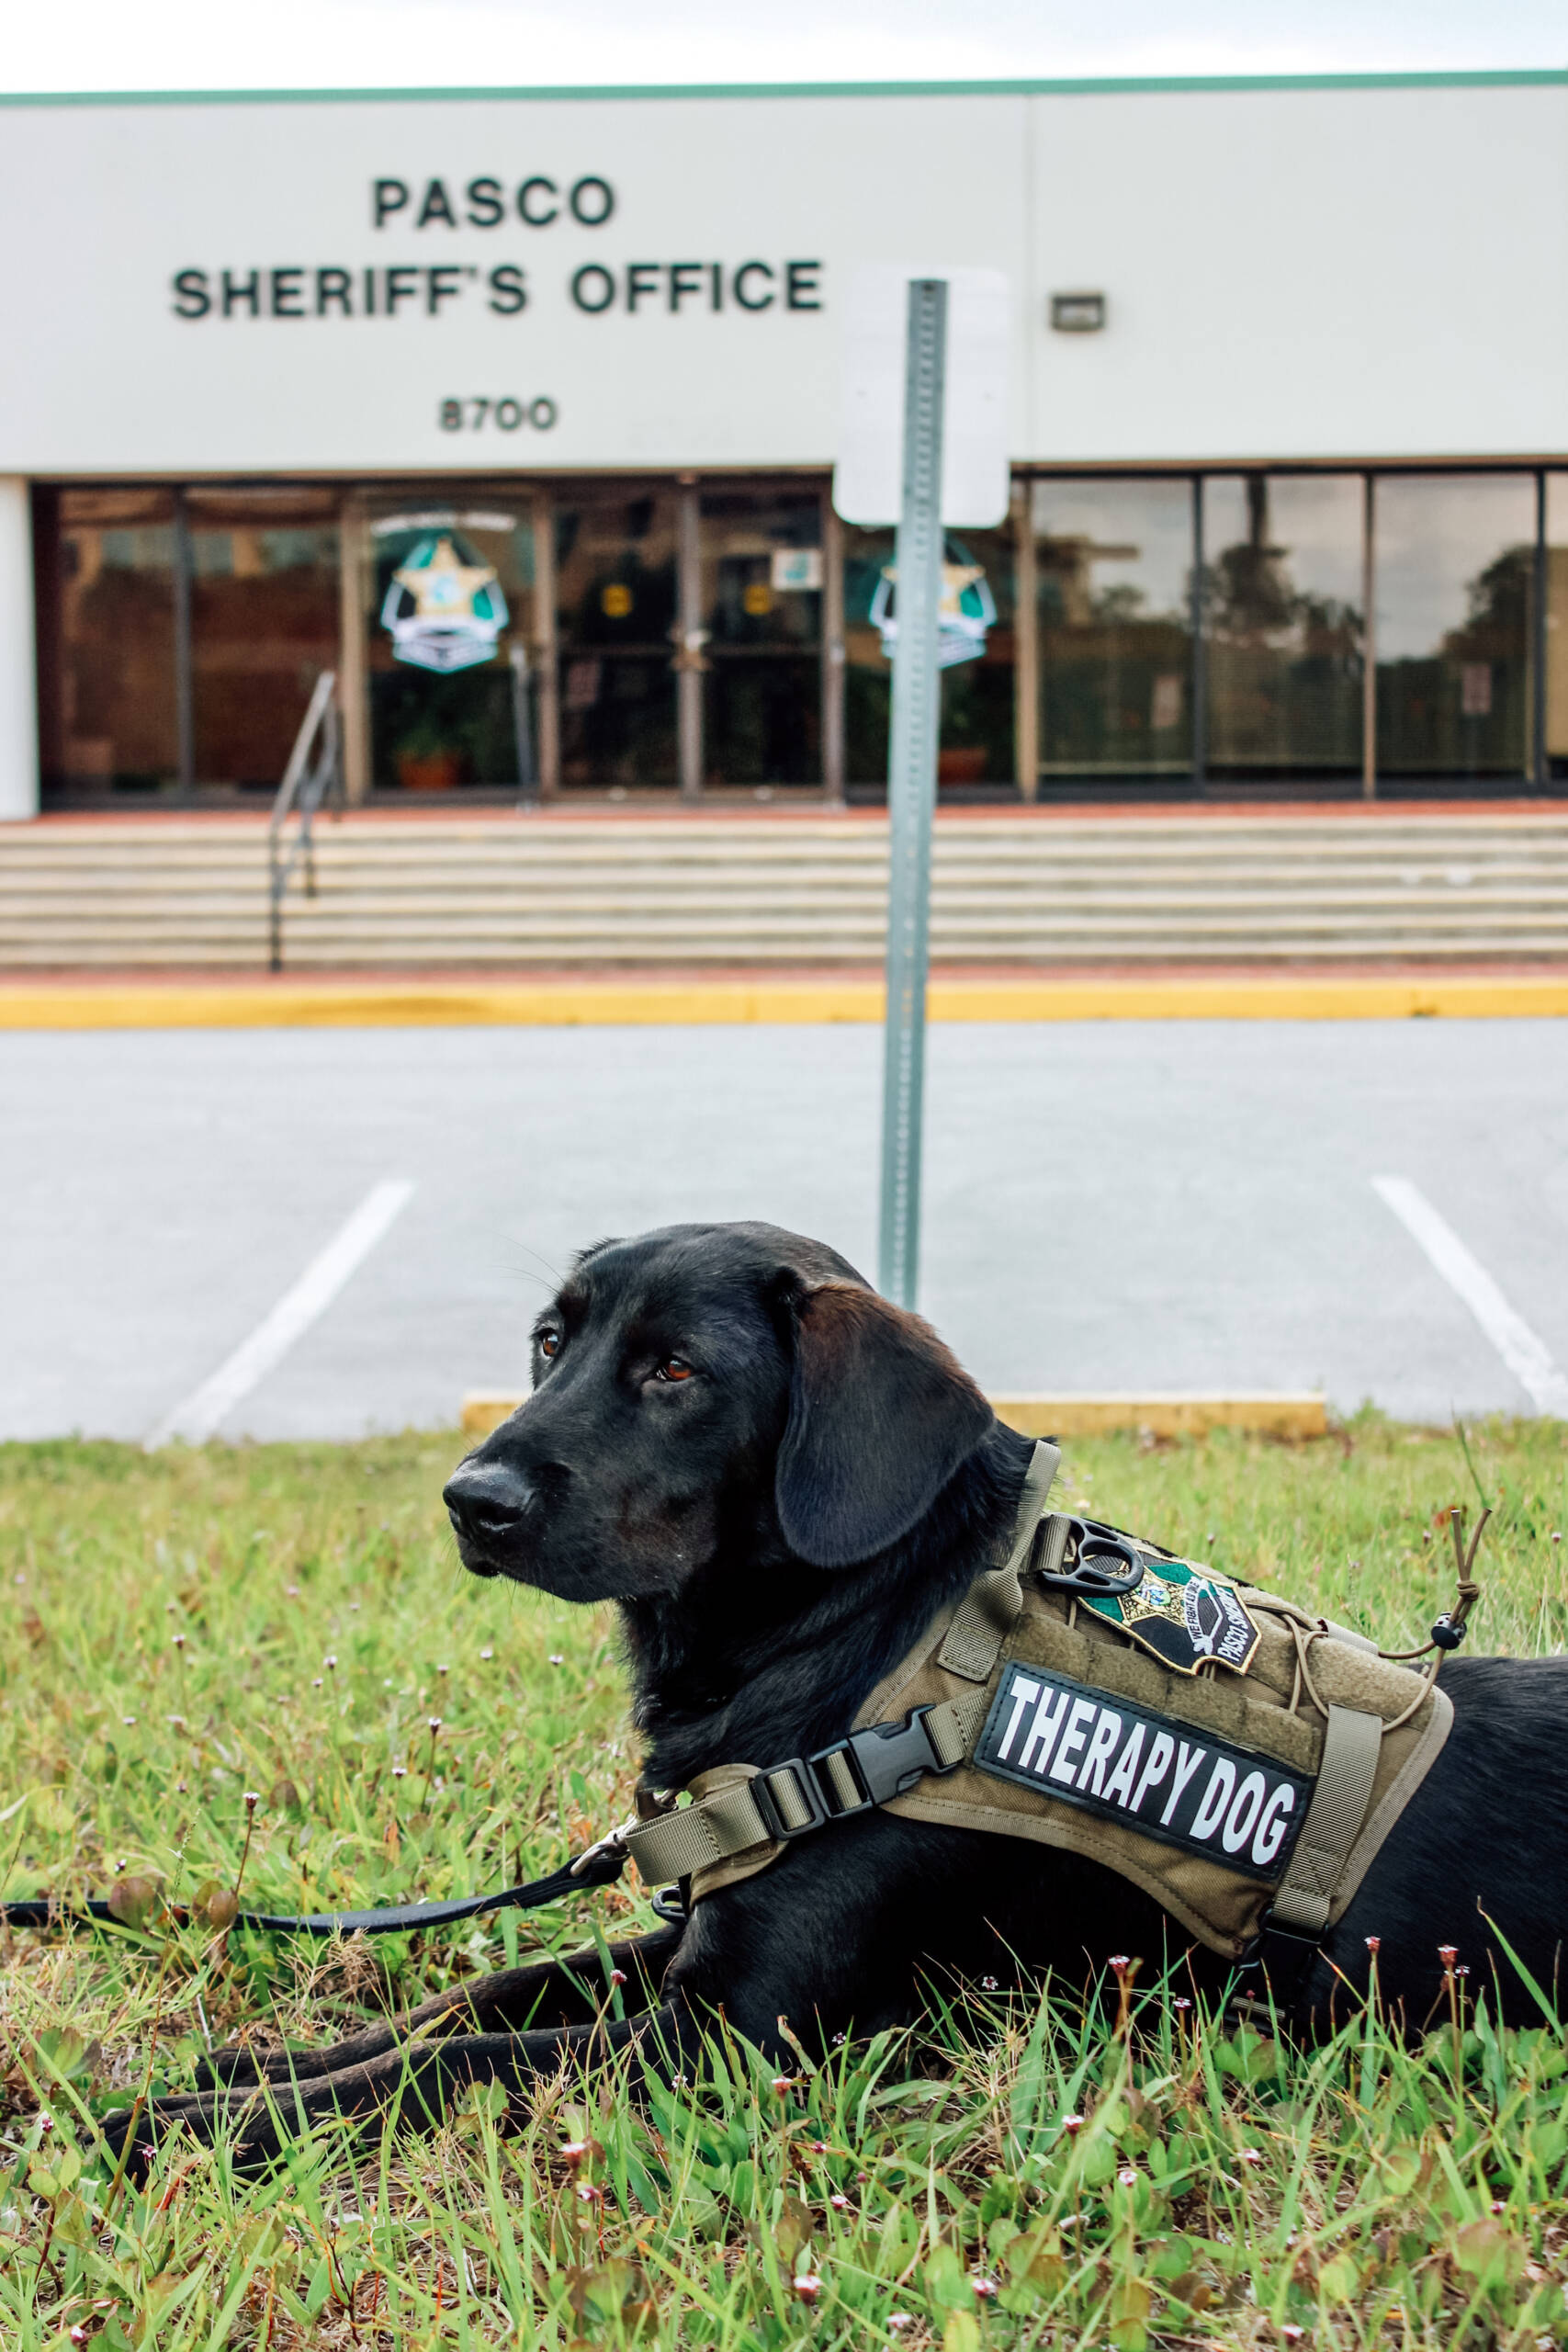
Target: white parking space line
x,y
1527,1357
207,1407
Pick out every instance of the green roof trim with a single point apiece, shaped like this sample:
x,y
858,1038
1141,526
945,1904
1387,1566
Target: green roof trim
x,y
1504,79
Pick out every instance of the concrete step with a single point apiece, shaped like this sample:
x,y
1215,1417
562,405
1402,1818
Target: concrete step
x,y
1046,841
572,889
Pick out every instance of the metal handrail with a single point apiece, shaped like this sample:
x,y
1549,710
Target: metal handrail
x,y
315,768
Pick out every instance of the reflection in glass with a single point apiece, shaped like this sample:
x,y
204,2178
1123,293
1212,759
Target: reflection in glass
x,y
107,629
762,605
1557,626
1455,558
1283,623
1114,565
432,730
976,741
264,623
616,606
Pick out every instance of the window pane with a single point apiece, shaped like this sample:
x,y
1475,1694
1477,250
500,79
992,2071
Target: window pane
x,y
976,740
264,623
450,585
114,729
1114,563
1283,617
761,604
616,606
1557,626
1455,555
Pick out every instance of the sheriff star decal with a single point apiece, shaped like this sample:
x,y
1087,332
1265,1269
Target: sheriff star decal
x,y
443,612
1185,1616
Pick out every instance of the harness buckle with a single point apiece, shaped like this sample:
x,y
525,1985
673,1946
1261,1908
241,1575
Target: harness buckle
x,y
884,1760
887,1759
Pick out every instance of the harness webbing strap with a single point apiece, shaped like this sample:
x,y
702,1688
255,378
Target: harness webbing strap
x,y
1351,1750
956,1724
985,1617
723,1821
990,1609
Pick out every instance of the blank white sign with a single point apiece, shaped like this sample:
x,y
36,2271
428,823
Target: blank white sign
x,y
868,479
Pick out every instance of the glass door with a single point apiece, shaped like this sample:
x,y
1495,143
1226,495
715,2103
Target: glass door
x,y
762,605
450,589
1456,561
1114,561
263,620
109,720
975,649
1283,635
616,554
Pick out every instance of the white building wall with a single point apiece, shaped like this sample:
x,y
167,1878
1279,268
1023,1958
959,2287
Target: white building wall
x,y
1294,271
1305,273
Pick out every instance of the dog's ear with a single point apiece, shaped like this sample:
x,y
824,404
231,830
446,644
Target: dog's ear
x,y
880,1415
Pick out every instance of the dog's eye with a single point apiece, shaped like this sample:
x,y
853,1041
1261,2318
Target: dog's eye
x,y
673,1368
550,1343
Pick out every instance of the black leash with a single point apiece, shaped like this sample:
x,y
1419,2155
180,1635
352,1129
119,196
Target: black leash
x,y
598,1866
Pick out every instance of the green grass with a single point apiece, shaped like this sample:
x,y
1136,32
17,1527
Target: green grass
x,y
289,1619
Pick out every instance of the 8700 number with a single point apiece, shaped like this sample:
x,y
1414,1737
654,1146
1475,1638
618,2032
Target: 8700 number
x,y
507,416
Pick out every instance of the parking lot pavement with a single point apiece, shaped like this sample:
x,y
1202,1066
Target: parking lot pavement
x,y
1131,1206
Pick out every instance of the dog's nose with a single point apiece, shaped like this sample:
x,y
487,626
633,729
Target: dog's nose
x,y
486,1500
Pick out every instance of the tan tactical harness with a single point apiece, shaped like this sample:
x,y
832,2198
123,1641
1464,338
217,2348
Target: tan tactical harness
x,y
1315,1700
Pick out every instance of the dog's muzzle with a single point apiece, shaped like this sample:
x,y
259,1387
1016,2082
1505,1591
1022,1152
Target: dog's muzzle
x,y
488,1503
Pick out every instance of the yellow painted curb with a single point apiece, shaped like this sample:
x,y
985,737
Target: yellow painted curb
x,y
1163,1416
1263,1416
223,1004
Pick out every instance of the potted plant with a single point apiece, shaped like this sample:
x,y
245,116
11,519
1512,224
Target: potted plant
x,y
425,759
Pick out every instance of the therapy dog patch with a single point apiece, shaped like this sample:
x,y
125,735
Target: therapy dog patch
x,y
1166,1779
1184,1616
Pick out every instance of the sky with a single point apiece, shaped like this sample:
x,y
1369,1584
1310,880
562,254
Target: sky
x,y
337,44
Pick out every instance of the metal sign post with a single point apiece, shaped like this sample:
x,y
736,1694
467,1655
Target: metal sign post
x,y
922,444
911,788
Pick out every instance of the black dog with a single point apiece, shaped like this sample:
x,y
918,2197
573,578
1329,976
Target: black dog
x,y
780,1479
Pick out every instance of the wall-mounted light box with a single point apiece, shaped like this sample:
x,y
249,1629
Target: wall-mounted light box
x,y
1077,313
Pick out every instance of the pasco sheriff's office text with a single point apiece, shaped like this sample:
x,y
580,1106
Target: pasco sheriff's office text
x,y
429,288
